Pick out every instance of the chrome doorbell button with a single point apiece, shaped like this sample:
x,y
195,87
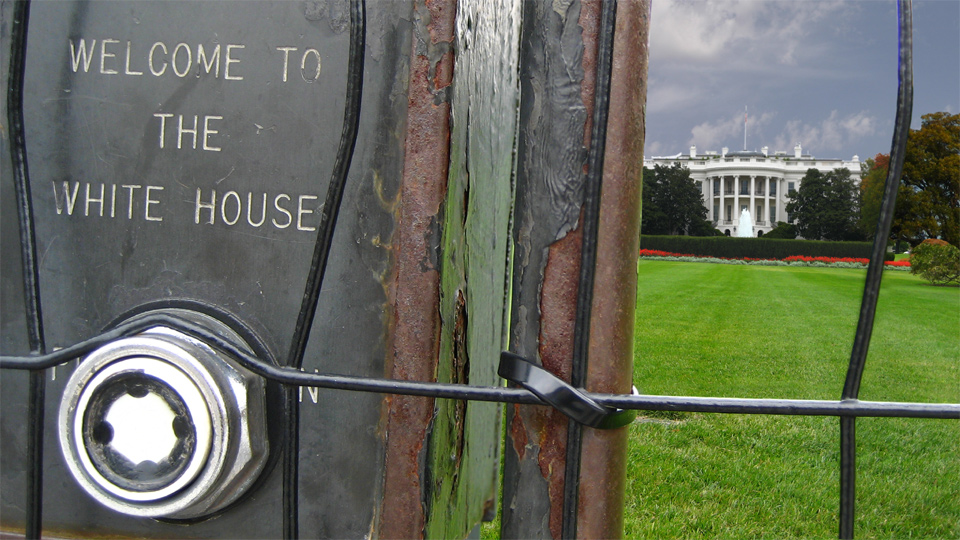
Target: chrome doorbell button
x,y
145,427
162,425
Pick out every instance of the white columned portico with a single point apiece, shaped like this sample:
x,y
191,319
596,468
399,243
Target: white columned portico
x,y
778,202
753,190
736,198
766,200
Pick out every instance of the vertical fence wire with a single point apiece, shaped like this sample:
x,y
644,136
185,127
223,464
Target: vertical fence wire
x,y
871,290
331,207
588,257
318,265
31,279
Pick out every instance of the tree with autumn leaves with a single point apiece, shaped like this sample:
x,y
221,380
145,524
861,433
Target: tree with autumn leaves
x,y
927,199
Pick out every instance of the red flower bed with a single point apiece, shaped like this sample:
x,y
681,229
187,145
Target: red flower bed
x,y
792,258
658,253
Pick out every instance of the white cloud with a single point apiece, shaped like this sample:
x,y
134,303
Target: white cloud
x,y
671,96
738,30
652,148
712,135
829,135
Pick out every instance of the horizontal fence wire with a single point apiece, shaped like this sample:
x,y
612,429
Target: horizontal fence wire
x,y
291,376
848,408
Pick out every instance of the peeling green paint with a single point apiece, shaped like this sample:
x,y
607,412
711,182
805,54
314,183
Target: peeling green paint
x,y
463,450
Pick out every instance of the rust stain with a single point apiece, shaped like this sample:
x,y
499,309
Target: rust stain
x,y
416,291
558,308
603,465
460,375
590,23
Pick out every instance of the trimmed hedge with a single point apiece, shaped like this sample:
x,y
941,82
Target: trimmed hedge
x,y
755,248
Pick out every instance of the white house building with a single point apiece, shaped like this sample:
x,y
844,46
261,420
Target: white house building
x,y
756,181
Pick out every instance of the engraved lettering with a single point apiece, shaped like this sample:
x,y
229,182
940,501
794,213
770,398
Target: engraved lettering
x,y
181,130
104,55
148,202
163,124
79,53
231,60
276,204
127,69
211,206
68,198
130,189
223,208
263,210
207,132
95,201
176,54
89,199
214,60
309,75
178,57
312,390
150,58
301,211
286,59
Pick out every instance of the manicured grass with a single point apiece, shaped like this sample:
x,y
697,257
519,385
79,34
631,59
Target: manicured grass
x,y
759,331
755,331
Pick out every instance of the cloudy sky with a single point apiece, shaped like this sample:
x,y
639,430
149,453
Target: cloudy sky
x,y
822,73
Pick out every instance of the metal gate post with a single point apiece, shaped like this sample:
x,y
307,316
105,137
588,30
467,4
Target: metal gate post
x,y
603,461
148,179
558,74
452,246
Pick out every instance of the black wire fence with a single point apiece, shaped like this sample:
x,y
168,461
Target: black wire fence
x,y
536,386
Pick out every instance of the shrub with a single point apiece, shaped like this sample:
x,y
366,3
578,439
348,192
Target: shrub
x,y
936,261
783,230
755,248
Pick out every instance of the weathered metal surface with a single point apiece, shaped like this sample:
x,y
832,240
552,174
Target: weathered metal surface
x,y
109,116
463,451
603,462
557,80
416,292
551,158
13,321
416,282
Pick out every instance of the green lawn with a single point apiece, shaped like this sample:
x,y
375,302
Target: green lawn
x,y
755,331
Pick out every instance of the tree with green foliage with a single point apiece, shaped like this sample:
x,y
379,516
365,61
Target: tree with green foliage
x,y
826,206
786,231
927,200
672,202
871,193
937,261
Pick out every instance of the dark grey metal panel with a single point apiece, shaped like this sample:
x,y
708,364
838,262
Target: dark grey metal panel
x,y
107,117
13,319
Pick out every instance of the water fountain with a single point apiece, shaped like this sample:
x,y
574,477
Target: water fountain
x,y
745,229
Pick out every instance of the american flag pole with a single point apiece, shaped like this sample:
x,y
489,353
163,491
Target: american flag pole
x,y
744,128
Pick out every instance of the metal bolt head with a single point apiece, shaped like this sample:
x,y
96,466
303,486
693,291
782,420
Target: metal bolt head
x,y
162,425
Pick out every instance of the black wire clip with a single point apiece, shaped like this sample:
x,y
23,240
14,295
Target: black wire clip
x,y
561,395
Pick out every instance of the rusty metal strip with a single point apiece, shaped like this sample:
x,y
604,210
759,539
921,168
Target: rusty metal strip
x,y
603,454
416,290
